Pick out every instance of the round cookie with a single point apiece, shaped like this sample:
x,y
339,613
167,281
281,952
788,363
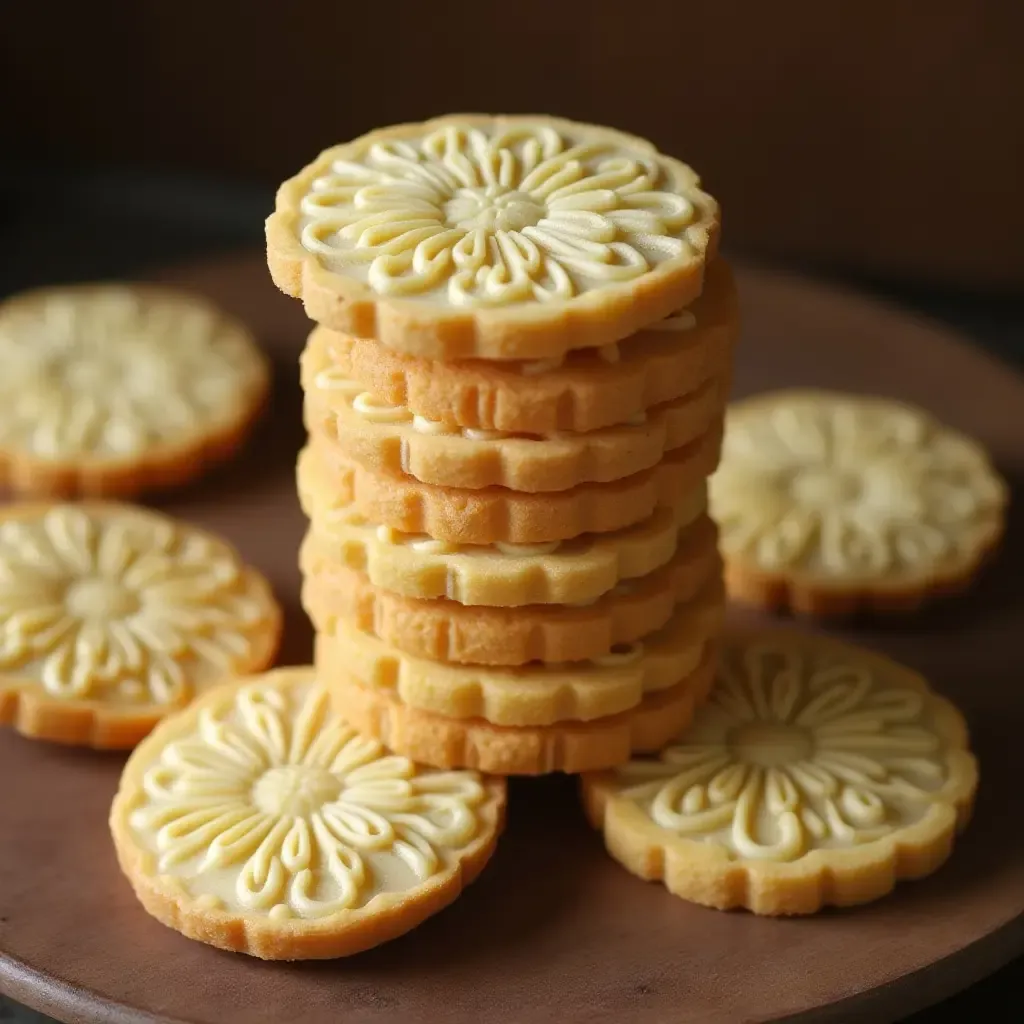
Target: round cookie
x,y
816,774
493,237
388,439
571,747
830,503
113,389
582,391
501,575
111,617
533,694
498,515
259,822
445,630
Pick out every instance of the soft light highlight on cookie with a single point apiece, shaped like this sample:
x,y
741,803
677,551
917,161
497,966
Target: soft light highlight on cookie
x,y
112,616
816,774
257,821
829,503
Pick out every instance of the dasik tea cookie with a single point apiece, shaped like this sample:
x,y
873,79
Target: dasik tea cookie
x,y
581,391
114,389
445,630
500,575
816,774
257,821
493,237
829,503
534,694
112,616
389,439
498,515
532,750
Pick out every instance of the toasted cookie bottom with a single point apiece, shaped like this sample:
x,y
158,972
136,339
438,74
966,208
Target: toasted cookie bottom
x,y
569,747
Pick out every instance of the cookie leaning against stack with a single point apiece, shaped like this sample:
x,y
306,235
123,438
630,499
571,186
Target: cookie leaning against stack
x,y
514,396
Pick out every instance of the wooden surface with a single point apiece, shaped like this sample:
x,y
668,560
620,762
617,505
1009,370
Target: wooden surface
x,y
882,137
554,930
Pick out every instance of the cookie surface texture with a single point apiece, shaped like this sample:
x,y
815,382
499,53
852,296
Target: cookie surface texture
x,y
445,630
112,616
816,774
493,237
570,747
831,503
585,390
111,390
416,565
257,821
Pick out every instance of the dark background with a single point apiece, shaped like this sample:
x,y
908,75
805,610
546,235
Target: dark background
x,y
880,143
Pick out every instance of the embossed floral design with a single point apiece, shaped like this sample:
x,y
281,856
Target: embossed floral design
x,y
121,605
847,487
112,372
497,214
273,805
796,750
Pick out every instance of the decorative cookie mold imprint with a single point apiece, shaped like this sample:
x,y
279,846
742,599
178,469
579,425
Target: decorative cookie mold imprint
x,y
123,611
108,375
809,758
265,806
821,488
473,214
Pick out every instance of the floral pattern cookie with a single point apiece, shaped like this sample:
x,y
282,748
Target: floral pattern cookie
x,y
109,390
829,503
113,616
816,774
494,237
258,821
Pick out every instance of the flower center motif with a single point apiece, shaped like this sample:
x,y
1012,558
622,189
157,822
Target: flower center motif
x,y
294,790
824,487
93,598
493,208
770,744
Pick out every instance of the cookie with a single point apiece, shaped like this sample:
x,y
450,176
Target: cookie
x,y
388,439
414,565
832,503
444,630
582,391
259,822
111,390
498,515
816,774
534,694
113,616
566,747
492,237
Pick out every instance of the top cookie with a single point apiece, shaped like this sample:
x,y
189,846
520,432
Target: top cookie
x,y
492,237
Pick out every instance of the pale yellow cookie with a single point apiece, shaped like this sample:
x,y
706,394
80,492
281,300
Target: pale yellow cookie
x,y
538,750
112,616
829,503
494,237
816,774
498,515
581,569
259,822
445,630
581,391
533,694
389,439
116,389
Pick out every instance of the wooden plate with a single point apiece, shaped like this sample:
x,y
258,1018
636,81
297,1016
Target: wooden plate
x,y
555,930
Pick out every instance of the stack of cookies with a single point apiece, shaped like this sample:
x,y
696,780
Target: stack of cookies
x,y
514,394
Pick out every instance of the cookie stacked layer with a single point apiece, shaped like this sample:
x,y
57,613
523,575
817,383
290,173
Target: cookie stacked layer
x,y
514,398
